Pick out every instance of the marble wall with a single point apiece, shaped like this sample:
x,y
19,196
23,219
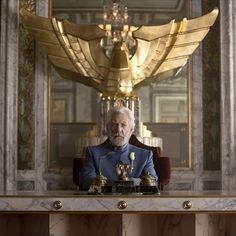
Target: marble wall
x,y
228,105
40,177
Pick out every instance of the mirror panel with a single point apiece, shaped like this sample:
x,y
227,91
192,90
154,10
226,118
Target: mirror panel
x,y
75,108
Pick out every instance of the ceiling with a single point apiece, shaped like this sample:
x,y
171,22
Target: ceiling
x,y
141,5
141,12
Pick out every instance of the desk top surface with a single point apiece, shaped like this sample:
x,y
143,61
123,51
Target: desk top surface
x,y
80,202
81,194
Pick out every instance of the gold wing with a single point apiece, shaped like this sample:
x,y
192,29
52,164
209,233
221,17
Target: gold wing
x,y
76,53
69,47
166,47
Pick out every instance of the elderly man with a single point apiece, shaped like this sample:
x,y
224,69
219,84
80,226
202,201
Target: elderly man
x,y
105,157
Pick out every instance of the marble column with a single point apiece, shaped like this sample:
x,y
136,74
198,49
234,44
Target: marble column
x,y
9,93
9,175
41,107
228,96
191,178
196,111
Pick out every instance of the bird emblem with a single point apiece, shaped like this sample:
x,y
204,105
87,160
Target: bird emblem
x,y
75,51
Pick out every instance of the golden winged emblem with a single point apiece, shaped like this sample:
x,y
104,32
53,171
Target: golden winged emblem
x,y
76,53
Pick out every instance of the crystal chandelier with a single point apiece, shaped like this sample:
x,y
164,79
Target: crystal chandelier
x,y
116,25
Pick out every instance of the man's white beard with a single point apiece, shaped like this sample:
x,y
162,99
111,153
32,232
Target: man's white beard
x,y
119,140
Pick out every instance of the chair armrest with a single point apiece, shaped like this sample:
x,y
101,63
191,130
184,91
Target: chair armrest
x,y
163,169
78,164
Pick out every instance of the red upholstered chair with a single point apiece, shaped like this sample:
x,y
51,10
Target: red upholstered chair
x,y
162,164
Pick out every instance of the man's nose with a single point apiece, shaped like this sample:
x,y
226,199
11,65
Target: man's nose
x,y
118,127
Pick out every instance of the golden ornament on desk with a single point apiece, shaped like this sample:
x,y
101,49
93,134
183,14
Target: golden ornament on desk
x,y
123,170
100,180
147,180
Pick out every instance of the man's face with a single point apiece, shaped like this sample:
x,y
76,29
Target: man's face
x,y
119,130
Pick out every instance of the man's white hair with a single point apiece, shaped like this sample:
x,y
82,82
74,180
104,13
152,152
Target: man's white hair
x,y
123,110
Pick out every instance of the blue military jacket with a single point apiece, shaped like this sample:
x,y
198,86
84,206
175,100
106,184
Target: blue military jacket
x,y
104,157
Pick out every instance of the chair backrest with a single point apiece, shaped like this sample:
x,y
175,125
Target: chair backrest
x,y
162,165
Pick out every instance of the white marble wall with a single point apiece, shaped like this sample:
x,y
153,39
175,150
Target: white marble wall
x,y
228,96
9,85
41,108
190,178
2,88
9,101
